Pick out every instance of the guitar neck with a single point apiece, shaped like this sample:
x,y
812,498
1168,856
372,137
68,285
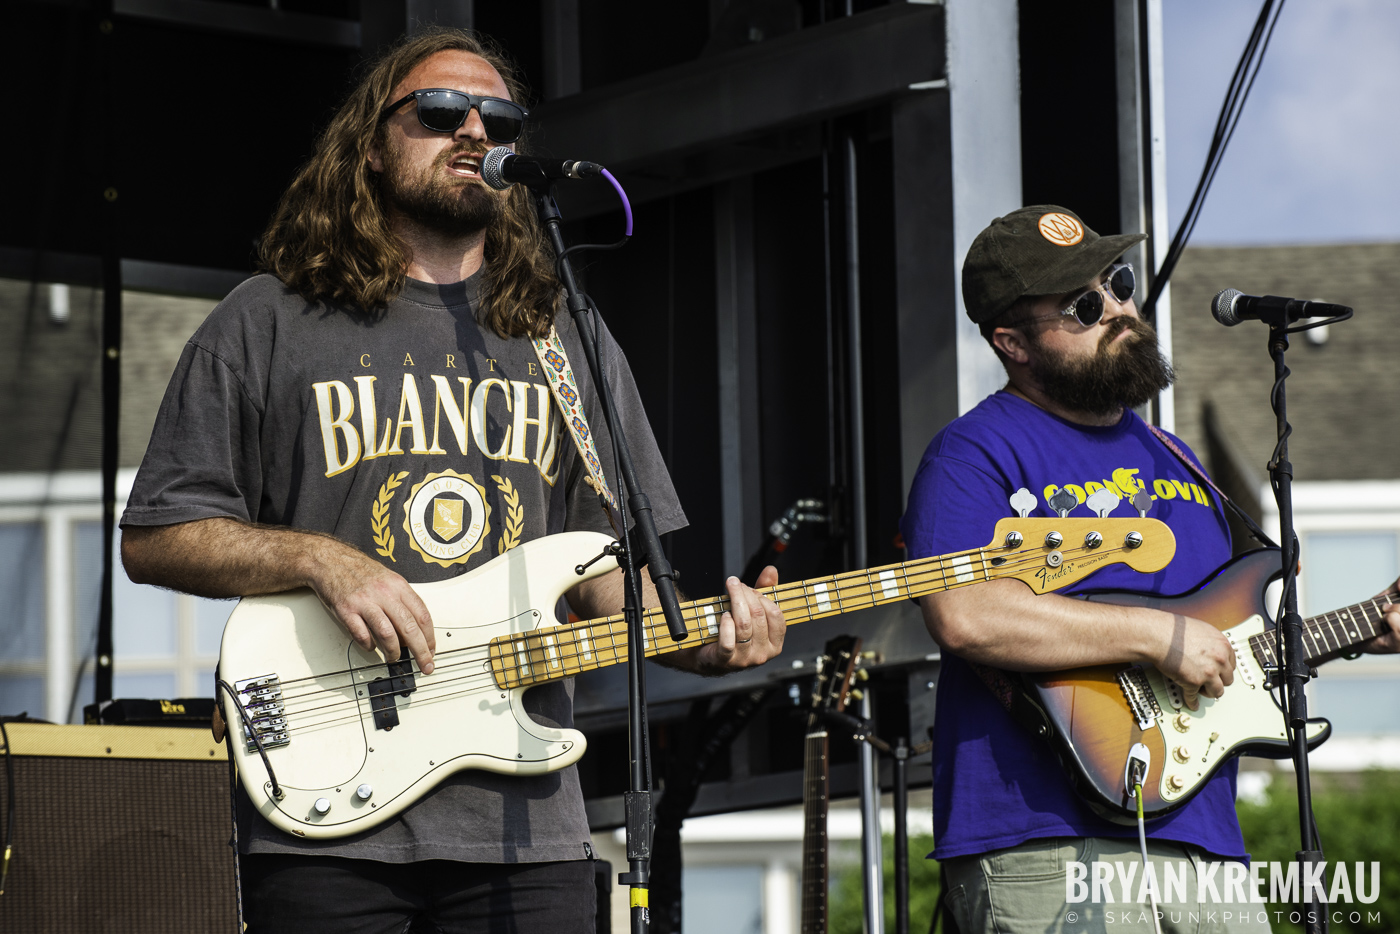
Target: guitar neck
x,y
560,651
1328,635
815,775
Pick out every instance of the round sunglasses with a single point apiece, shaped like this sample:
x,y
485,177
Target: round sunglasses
x,y
443,110
1088,308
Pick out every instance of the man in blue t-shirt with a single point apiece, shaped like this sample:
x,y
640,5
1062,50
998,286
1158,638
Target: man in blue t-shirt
x,y
1056,304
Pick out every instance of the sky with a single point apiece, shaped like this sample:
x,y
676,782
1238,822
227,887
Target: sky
x,y
1316,155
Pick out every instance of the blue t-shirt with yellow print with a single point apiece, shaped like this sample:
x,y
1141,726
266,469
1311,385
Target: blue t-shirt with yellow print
x,y
995,785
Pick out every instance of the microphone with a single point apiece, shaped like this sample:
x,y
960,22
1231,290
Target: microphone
x,y
1231,306
501,168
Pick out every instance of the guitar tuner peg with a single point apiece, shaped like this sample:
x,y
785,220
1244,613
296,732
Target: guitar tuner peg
x,y
1054,539
1132,540
1015,539
862,674
1093,540
1142,501
857,694
1102,502
1063,502
1023,501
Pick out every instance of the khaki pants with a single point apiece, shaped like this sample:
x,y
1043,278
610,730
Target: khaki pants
x,y
1027,889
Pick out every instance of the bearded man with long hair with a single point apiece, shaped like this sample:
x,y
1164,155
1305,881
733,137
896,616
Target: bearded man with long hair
x,y
371,413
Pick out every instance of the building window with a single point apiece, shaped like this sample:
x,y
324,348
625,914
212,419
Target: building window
x,y
23,642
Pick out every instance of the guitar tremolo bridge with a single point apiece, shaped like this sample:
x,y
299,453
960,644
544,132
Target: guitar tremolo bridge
x,y
1141,699
261,699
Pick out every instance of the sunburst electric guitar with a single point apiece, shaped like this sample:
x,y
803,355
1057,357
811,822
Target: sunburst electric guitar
x,y
352,740
1093,716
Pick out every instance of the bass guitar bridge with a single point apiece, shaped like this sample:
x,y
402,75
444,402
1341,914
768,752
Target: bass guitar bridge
x,y
261,699
1141,699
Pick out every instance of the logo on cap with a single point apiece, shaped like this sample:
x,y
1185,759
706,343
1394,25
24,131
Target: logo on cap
x,y
1060,229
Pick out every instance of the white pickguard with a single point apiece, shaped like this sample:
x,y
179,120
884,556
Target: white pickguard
x,y
456,718
1245,714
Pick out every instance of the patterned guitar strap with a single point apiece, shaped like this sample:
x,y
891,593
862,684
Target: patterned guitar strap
x,y
1248,520
555,363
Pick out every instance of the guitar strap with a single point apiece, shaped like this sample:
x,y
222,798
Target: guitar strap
x,y
555,363
1259,534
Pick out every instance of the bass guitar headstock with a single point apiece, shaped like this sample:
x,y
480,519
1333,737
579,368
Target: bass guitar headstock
x,y
1052,553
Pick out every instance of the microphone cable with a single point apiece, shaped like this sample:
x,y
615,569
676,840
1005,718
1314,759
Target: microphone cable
x,y
1238,92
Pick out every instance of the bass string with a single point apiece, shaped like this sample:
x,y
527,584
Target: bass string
x,y
655,626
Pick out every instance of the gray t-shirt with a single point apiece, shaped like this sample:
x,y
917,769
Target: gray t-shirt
x,y
286,413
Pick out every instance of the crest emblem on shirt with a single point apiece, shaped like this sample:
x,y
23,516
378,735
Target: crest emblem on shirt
x,y
447,518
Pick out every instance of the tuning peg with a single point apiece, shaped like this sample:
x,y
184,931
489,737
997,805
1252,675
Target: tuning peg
x,y
1103,501
857,694
1142,501
1023,501
1062,501
862,674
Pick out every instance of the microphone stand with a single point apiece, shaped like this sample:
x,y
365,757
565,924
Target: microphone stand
x,y
1293,662
637,800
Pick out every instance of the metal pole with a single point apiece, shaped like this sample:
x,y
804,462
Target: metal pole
x,y
872,870
901,837
853,368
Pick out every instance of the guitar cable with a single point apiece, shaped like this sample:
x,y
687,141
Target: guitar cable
x,y
248,725
1142,844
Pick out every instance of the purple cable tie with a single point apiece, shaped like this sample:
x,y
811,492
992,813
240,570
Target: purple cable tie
x,y
626,206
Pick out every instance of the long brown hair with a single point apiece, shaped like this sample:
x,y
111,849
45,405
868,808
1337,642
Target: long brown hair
x,y
330,239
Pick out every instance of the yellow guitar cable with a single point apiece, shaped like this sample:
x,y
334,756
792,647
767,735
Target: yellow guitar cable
x,y
1142,842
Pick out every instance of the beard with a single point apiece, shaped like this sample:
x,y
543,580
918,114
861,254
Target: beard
x,y
432,199
1125,376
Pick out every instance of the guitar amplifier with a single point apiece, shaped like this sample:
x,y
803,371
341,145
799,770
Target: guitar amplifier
x,y
117,830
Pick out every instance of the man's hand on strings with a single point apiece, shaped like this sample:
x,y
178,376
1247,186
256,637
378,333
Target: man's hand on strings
x,y
1389,642
376,606
751,632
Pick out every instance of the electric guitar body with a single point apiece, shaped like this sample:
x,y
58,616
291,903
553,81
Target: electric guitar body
x,y
1093,716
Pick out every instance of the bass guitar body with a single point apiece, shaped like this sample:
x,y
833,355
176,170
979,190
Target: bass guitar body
x,y
361,739
1094,716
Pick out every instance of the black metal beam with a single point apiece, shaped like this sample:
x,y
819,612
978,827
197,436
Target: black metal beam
x,y
843,66
247,20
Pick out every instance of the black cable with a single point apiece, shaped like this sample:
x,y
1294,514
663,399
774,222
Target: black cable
x,y
558,260
252,734
1235,96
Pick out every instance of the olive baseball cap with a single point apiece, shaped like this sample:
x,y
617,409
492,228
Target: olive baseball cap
x,y
1043,249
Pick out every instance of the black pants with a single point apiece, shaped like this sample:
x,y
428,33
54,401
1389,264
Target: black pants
x,y
330,895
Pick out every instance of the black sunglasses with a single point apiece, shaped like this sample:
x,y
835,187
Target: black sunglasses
x,y
443,110
1088,308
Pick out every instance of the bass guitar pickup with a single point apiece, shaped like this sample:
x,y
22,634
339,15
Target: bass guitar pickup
x,y
383,690
261,700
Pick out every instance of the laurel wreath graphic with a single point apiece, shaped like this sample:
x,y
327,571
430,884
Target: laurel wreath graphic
x,y
379,516
515,515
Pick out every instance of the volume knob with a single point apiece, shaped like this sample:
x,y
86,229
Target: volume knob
x,y
323,806
1175,783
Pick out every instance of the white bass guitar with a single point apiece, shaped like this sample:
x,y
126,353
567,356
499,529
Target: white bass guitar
x,y
352,740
